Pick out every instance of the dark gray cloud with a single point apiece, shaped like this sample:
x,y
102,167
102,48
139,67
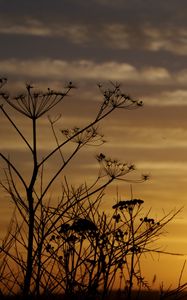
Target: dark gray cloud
x,y
143,32
99,10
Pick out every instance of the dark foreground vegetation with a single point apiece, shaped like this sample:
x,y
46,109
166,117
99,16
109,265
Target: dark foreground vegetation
x,y
115,295
71,247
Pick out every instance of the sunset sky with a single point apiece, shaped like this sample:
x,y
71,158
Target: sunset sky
x,y
141,44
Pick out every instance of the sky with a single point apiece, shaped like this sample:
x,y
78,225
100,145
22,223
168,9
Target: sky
x,y
142,44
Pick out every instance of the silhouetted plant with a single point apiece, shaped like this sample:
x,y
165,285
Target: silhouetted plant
x,y
93,251
72,247
34,224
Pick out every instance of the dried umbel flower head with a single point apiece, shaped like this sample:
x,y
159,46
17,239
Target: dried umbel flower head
x,y
64,228
115,98
117,218
117,170
112,167
34,104
82,225
89,136
150,222
126,204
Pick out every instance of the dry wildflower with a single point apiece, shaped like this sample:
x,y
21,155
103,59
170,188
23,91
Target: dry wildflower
x,y
89,136
83,225
34,104
115,98
125,204
112,167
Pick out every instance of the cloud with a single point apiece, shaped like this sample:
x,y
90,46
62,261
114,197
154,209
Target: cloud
x,y
153,38
115,35
168,167
156,74
76,33
148,138
171,39
168,98
181,77
31,27
119,35
83,70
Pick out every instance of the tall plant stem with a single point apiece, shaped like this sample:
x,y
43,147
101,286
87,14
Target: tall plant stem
x,y
30,199
131,276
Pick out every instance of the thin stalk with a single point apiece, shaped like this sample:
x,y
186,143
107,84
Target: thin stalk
x,y
132,257
56,175
14,169
29,270
64,143
17,129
